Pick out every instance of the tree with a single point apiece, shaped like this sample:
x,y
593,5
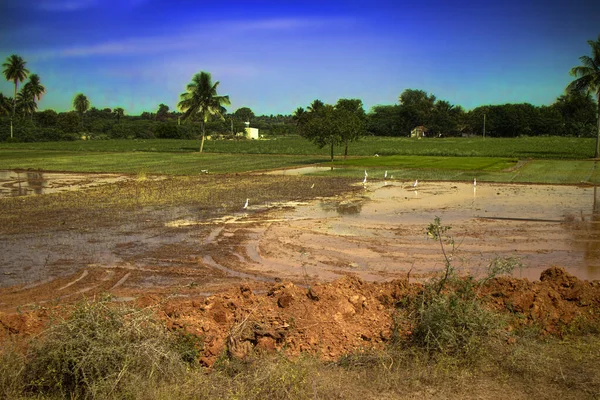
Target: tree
x,y
118,112
578,112
385,121
5,105
299,116
14,70
26,102
163,112
416,108
243,114
316,106
201,99
81,104
353,110
326,125
47,118
588,81
32,90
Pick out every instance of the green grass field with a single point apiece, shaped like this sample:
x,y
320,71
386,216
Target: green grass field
x,y
526,147
536,160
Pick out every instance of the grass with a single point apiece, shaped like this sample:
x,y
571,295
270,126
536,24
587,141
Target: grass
x,y
204,196
557,159
114,352
147,162
524,147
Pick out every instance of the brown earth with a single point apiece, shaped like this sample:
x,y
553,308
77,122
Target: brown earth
x,y
337,318
240,279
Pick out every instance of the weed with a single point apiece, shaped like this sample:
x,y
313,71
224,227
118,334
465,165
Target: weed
x,y
100,350
450,318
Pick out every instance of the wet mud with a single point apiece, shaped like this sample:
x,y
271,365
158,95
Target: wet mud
x,y
377,234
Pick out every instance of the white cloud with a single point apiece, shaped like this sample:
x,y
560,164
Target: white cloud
x,y
191,38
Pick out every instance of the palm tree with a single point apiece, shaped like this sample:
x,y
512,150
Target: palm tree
x,y
119,112
81,104
5,105
35,88
201,98
26,102
588,80
316,106
14,70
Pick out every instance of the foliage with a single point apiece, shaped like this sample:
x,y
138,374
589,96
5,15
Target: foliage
x,y
450,317
201,99
99,350
81,104
14,70
163,112
588,81
327,125
244,114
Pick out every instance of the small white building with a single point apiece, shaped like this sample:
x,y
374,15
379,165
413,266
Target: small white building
x,y
251,133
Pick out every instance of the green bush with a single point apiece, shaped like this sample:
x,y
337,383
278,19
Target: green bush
x,y
450,317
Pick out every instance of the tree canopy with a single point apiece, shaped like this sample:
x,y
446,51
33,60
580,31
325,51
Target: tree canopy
x,y
588,81
201,99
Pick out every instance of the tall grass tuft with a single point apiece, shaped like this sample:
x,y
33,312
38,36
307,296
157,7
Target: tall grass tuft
x,y
102,351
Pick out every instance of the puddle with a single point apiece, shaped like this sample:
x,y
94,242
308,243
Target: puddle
x,y
24,183
378,234
299,171
382,232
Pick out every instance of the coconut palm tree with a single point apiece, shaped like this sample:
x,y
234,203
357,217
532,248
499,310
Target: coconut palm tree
x,y
35,87
14,70
588,80
201,99
119,112
5,105
32,90
26,102
81,104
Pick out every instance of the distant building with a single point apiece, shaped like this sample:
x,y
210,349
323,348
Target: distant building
x,y
418,132
251,133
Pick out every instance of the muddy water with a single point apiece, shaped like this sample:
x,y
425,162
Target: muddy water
x,y
382,232
23,183
378,234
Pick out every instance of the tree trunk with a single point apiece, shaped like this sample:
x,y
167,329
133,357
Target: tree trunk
x,y
332,149
202,142
598,136
12,117
346,150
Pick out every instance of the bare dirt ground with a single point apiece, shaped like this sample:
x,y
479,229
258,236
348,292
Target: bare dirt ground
x,y
249,272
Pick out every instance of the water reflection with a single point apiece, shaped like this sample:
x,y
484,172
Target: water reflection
x,y
591,235
22,183
345,207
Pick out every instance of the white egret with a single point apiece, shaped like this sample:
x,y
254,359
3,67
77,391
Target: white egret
x,y
474,181
246,205
416,183
313,186
385,175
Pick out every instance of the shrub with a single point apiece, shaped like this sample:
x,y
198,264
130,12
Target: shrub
x,y
100,351
450,318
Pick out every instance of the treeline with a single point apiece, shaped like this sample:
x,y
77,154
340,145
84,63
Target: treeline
x,y
573,114
570,115
106,123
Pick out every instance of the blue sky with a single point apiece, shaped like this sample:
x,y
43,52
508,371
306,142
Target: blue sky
x,y
274,56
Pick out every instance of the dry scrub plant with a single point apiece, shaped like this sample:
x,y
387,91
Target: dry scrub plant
x,y
104,351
